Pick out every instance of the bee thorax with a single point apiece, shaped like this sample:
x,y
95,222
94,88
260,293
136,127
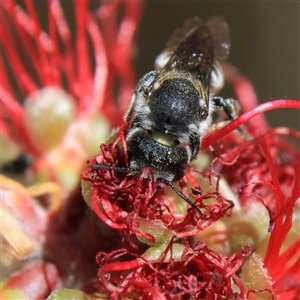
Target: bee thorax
x,y
174,105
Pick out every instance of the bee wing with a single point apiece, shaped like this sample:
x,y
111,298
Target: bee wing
x,y
220,35
191,56
216,29
177,37
194,51
181,34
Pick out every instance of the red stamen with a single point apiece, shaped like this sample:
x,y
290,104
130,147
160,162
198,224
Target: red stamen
x,y
201,273
83,69
281,225
24,80
262,108
54,57
121,266
99,213
22,21
67,60
16,112
100,76
121,57
246,95
43,43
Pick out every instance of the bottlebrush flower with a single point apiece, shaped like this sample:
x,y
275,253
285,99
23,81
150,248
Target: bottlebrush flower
x,y
228,252
57,94
150,244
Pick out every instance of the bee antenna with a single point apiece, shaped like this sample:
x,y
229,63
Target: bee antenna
x,y
112,168
162,180
186,199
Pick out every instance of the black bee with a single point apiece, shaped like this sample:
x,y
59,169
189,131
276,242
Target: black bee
x,y
171,108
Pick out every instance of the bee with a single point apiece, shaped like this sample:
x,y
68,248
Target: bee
x,y
171,108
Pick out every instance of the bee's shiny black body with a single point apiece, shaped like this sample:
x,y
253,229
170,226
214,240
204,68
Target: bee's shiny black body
x,y
173,103
171,108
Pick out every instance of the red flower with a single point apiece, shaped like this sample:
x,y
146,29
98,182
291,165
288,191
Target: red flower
x,y
260,168
124,197
150,244
65,90
56,94
199,274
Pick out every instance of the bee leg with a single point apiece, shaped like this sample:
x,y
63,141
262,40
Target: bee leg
x,y
145,81
195,144
231,108
229,105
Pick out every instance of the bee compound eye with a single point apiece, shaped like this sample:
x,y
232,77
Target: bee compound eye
x,y
203,113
